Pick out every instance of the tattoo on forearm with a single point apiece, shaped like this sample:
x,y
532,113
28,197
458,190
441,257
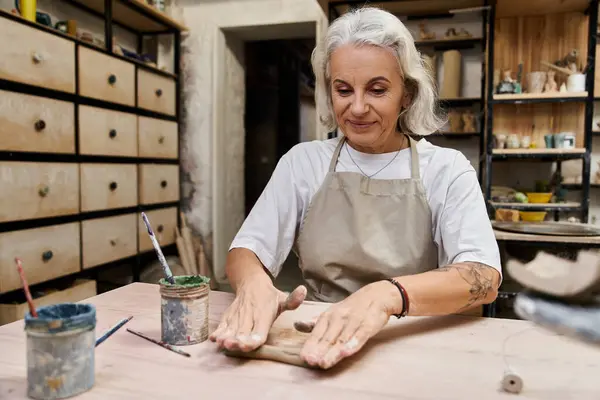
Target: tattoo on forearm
x,y
475,274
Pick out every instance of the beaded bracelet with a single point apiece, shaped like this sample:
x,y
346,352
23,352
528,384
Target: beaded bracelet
x,y
405,303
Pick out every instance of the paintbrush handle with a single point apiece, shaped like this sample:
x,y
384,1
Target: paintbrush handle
x,y
273,353
26,288
112,330
160,343
159,253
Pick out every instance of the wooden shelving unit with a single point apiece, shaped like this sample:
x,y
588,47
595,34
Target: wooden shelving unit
x,y
522,33
94,138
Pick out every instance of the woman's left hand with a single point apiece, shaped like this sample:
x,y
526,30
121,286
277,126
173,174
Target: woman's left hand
x,y
346,326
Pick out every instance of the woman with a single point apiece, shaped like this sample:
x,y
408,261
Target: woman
x,y
382,225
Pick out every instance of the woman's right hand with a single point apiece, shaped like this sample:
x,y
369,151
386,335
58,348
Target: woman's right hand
x,y
247,321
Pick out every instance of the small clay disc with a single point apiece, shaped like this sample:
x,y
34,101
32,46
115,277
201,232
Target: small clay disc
x,y
512,383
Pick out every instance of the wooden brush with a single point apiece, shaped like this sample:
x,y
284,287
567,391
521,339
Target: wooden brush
x,y
557,68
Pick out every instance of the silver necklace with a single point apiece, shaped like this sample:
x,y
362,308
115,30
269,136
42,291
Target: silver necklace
x,y
372,175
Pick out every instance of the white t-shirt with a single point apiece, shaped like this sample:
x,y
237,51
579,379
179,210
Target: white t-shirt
x,y
461,227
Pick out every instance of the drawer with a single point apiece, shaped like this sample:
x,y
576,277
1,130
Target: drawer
x,y
105,77
108,239
107,132
38,124
158,183
157,138
108,186
163,224
156,92
37,58
47,253
38,190
79,290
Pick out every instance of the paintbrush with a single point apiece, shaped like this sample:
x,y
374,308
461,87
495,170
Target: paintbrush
x,y
26,288
112,330
159,253
160,343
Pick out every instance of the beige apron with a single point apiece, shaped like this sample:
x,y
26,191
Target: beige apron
x,y
358,230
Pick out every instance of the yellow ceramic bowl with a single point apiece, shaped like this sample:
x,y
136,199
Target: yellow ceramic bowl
x,y
539,197
532,216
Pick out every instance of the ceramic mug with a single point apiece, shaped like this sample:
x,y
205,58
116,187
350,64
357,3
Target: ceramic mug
x,y
559,140
525,142
569,141
513,141
500,140
535,81
576,83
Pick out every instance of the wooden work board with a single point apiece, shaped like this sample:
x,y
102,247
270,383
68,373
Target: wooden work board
x,y
438,358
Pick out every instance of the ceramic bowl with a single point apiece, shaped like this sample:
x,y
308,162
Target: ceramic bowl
x,y
532,216
538,198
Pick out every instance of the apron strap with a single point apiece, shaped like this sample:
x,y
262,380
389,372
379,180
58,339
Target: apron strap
x,y
336,154
414,159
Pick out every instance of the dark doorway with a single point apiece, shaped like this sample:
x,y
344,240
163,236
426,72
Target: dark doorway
x,y
278,74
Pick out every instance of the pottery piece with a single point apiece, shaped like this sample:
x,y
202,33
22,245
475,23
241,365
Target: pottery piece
x,y
551,85
513,141
469,121
507,85
525,142
559,140
455,120
549,141
570,61
569,140
576,83
500,140
536,81
424,34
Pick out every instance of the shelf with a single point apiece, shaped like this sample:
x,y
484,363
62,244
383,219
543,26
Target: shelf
x,y
452,135
459,102
524,98
450,44
578,186
552,154
568,206
134,14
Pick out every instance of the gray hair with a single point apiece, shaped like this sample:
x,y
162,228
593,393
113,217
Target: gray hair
x,y
376,27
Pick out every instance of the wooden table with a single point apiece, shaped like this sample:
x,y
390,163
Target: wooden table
x,y
452,357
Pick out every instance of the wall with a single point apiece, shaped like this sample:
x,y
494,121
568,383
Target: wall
x,y
213,146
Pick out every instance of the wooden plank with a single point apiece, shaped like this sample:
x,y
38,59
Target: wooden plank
x,y
480,348
539,151
548,95
524,206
